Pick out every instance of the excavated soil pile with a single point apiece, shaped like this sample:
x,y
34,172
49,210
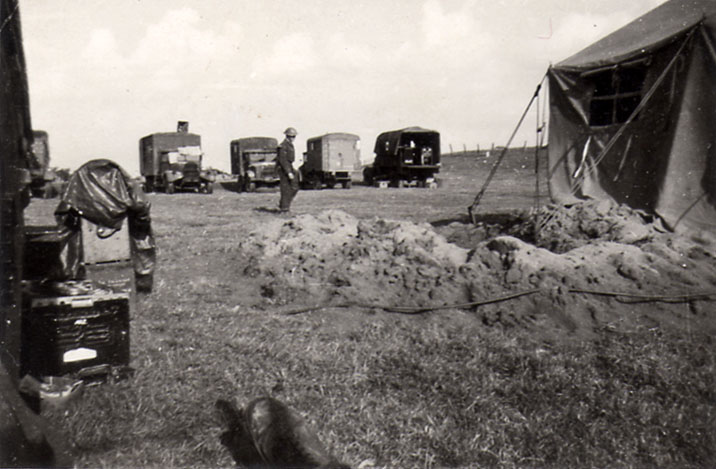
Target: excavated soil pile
x,y
560,228
589,265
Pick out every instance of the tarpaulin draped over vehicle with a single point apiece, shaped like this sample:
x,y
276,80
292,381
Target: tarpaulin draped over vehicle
x,y
103,193
633,117
393,139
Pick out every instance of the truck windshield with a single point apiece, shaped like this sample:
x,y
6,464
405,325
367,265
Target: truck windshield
x,y
258,156
185,155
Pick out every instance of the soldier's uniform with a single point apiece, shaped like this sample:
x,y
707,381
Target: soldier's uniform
x,y
286,173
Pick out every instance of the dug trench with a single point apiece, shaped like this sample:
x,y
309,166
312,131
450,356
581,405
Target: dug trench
x,y
560,271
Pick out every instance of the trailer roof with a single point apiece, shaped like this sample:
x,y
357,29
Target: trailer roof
x,y
168,134
335,135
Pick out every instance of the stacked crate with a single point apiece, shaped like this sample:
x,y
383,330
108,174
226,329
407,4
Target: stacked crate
x,y
107,258
80,326
74,327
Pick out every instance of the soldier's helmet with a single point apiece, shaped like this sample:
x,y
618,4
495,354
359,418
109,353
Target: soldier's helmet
x,y
290,132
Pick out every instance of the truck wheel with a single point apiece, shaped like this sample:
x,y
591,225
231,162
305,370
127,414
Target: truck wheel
x,y
368,176
209,188
347,184
251,187
170,188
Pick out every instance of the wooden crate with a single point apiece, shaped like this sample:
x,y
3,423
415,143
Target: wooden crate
x,y
101,244
107,258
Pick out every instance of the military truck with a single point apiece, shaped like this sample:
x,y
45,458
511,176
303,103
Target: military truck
x,y
171,161
405,157
253,161
44,181
329,160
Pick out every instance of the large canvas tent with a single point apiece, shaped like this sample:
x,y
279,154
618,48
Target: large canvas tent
x,y
633,117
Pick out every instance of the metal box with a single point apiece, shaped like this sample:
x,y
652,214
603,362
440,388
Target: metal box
x,y
119,276
101,244
70,327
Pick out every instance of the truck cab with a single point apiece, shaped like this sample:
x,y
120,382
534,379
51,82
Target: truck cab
x,y
253,161
171,161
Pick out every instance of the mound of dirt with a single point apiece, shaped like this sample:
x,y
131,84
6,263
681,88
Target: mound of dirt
x,y
589,265
560,228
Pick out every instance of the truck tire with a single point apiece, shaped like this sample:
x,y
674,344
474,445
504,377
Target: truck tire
x,y
170,189
209,188
368,175
251,187
347,184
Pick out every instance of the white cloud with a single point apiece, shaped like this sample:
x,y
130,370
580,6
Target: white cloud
x,y
101,45
442,28
293,53
340,51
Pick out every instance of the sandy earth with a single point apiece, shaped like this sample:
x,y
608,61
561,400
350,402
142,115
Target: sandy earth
x,y
577,268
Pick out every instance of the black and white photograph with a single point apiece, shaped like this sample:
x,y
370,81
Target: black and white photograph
x,y
358,234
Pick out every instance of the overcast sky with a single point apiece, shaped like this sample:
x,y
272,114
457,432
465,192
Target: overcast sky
x,y
104,73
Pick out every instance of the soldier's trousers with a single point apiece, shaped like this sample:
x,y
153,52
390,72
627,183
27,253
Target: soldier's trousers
x,y
289,189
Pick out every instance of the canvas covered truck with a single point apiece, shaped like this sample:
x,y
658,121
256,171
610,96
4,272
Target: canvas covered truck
x,y
330,159
171,161
253,161
405,157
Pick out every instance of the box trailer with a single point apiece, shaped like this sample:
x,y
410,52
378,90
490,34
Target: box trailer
x,y
330,159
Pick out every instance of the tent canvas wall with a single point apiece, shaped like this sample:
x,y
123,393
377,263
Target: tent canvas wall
x,y
633,117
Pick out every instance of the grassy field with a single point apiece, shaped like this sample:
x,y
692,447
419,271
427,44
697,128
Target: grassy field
x,y
440,389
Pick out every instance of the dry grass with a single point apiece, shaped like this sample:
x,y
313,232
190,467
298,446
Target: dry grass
x,y
407,392
435,390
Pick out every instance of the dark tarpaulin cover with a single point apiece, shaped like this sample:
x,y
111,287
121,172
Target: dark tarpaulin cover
x,y
103,193
665,160
393,139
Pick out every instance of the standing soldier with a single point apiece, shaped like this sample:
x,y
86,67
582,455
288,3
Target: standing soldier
x,y
287,175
